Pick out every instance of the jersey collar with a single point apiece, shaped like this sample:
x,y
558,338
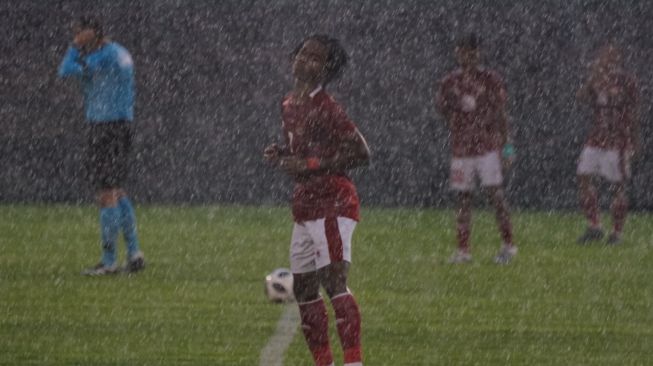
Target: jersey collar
x,y
315,91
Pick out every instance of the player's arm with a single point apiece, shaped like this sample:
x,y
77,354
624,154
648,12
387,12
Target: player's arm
x,y
441,104
503,123
584,93
72,63
352,152
635,136
273,152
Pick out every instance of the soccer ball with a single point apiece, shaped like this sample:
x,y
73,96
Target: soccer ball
x,y
278,286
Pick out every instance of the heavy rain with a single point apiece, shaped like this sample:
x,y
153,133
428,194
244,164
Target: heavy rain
x,y
214,217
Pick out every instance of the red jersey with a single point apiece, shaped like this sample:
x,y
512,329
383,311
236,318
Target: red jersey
x,y
471,103
614,100
314,130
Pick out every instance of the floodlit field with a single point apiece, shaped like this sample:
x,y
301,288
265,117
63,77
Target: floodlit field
x,y
200,301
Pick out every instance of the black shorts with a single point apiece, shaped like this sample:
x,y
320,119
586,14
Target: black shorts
x,y
109,144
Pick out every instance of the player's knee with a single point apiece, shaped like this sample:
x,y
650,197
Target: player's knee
x,y
335,285
584,181
305,289
335,289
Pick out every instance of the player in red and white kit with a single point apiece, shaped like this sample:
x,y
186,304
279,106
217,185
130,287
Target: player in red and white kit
x,y
613,95
321,144
473,99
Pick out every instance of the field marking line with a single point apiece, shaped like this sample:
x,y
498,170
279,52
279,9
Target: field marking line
x,y
273,352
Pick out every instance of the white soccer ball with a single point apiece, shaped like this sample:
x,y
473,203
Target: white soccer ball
x,y
278,286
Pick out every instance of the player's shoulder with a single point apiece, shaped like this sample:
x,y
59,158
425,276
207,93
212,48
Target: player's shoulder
x,y
117,48
286,100
120,54
490,74
325,100
628,77
451,75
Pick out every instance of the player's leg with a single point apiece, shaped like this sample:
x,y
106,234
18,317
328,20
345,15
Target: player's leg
x,y
333,277
109,229
462,182
616,169
314,317
619,211
306,288
100,155
463,228
135,258
123,141
490,168
588,165
502,213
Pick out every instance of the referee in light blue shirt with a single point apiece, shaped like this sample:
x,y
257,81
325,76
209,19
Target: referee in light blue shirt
x,y
105,71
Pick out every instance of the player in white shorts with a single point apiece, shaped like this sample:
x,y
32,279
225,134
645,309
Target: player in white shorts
x,y
321,145
315,244
611,164
613,96
486,168
473,99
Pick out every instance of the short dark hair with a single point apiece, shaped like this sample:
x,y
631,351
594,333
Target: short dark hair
x,y
336,55
91,22
470,40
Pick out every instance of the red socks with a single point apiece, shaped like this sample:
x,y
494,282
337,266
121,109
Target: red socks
x,y
316,329
506,229
348,321
619,209
589,201
315,325
463,229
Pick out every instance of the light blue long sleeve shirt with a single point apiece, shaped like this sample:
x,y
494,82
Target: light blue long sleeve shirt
x,y
107,78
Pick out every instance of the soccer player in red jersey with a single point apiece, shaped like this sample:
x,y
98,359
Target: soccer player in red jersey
x,y
613,95
321,144
473,98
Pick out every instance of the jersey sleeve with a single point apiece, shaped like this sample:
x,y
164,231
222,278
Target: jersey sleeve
x,y
632,110
72,64
342,126
498,88
633,92
282,112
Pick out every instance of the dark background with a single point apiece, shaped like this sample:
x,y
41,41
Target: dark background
x,y
211,75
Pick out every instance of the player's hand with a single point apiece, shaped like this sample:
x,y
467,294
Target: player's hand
x,y
508,156
508,162
271,153
293,166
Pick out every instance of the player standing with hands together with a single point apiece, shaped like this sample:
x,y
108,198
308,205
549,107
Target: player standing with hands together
x,y
106,71
321,144
613,95
473,101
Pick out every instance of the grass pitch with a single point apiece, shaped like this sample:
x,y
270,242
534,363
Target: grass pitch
x,y
200,300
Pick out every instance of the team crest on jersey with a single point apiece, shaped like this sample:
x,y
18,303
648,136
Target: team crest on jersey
x,y
468,103
602,99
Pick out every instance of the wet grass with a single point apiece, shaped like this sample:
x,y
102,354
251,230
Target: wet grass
x,y
201,301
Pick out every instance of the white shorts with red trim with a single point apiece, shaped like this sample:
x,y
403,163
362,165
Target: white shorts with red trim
x,y
486,167
611,164
318,243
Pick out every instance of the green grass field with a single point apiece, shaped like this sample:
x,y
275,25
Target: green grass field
x,y
200,301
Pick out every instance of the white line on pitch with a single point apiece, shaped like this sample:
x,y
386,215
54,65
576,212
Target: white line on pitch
x,y
272,353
